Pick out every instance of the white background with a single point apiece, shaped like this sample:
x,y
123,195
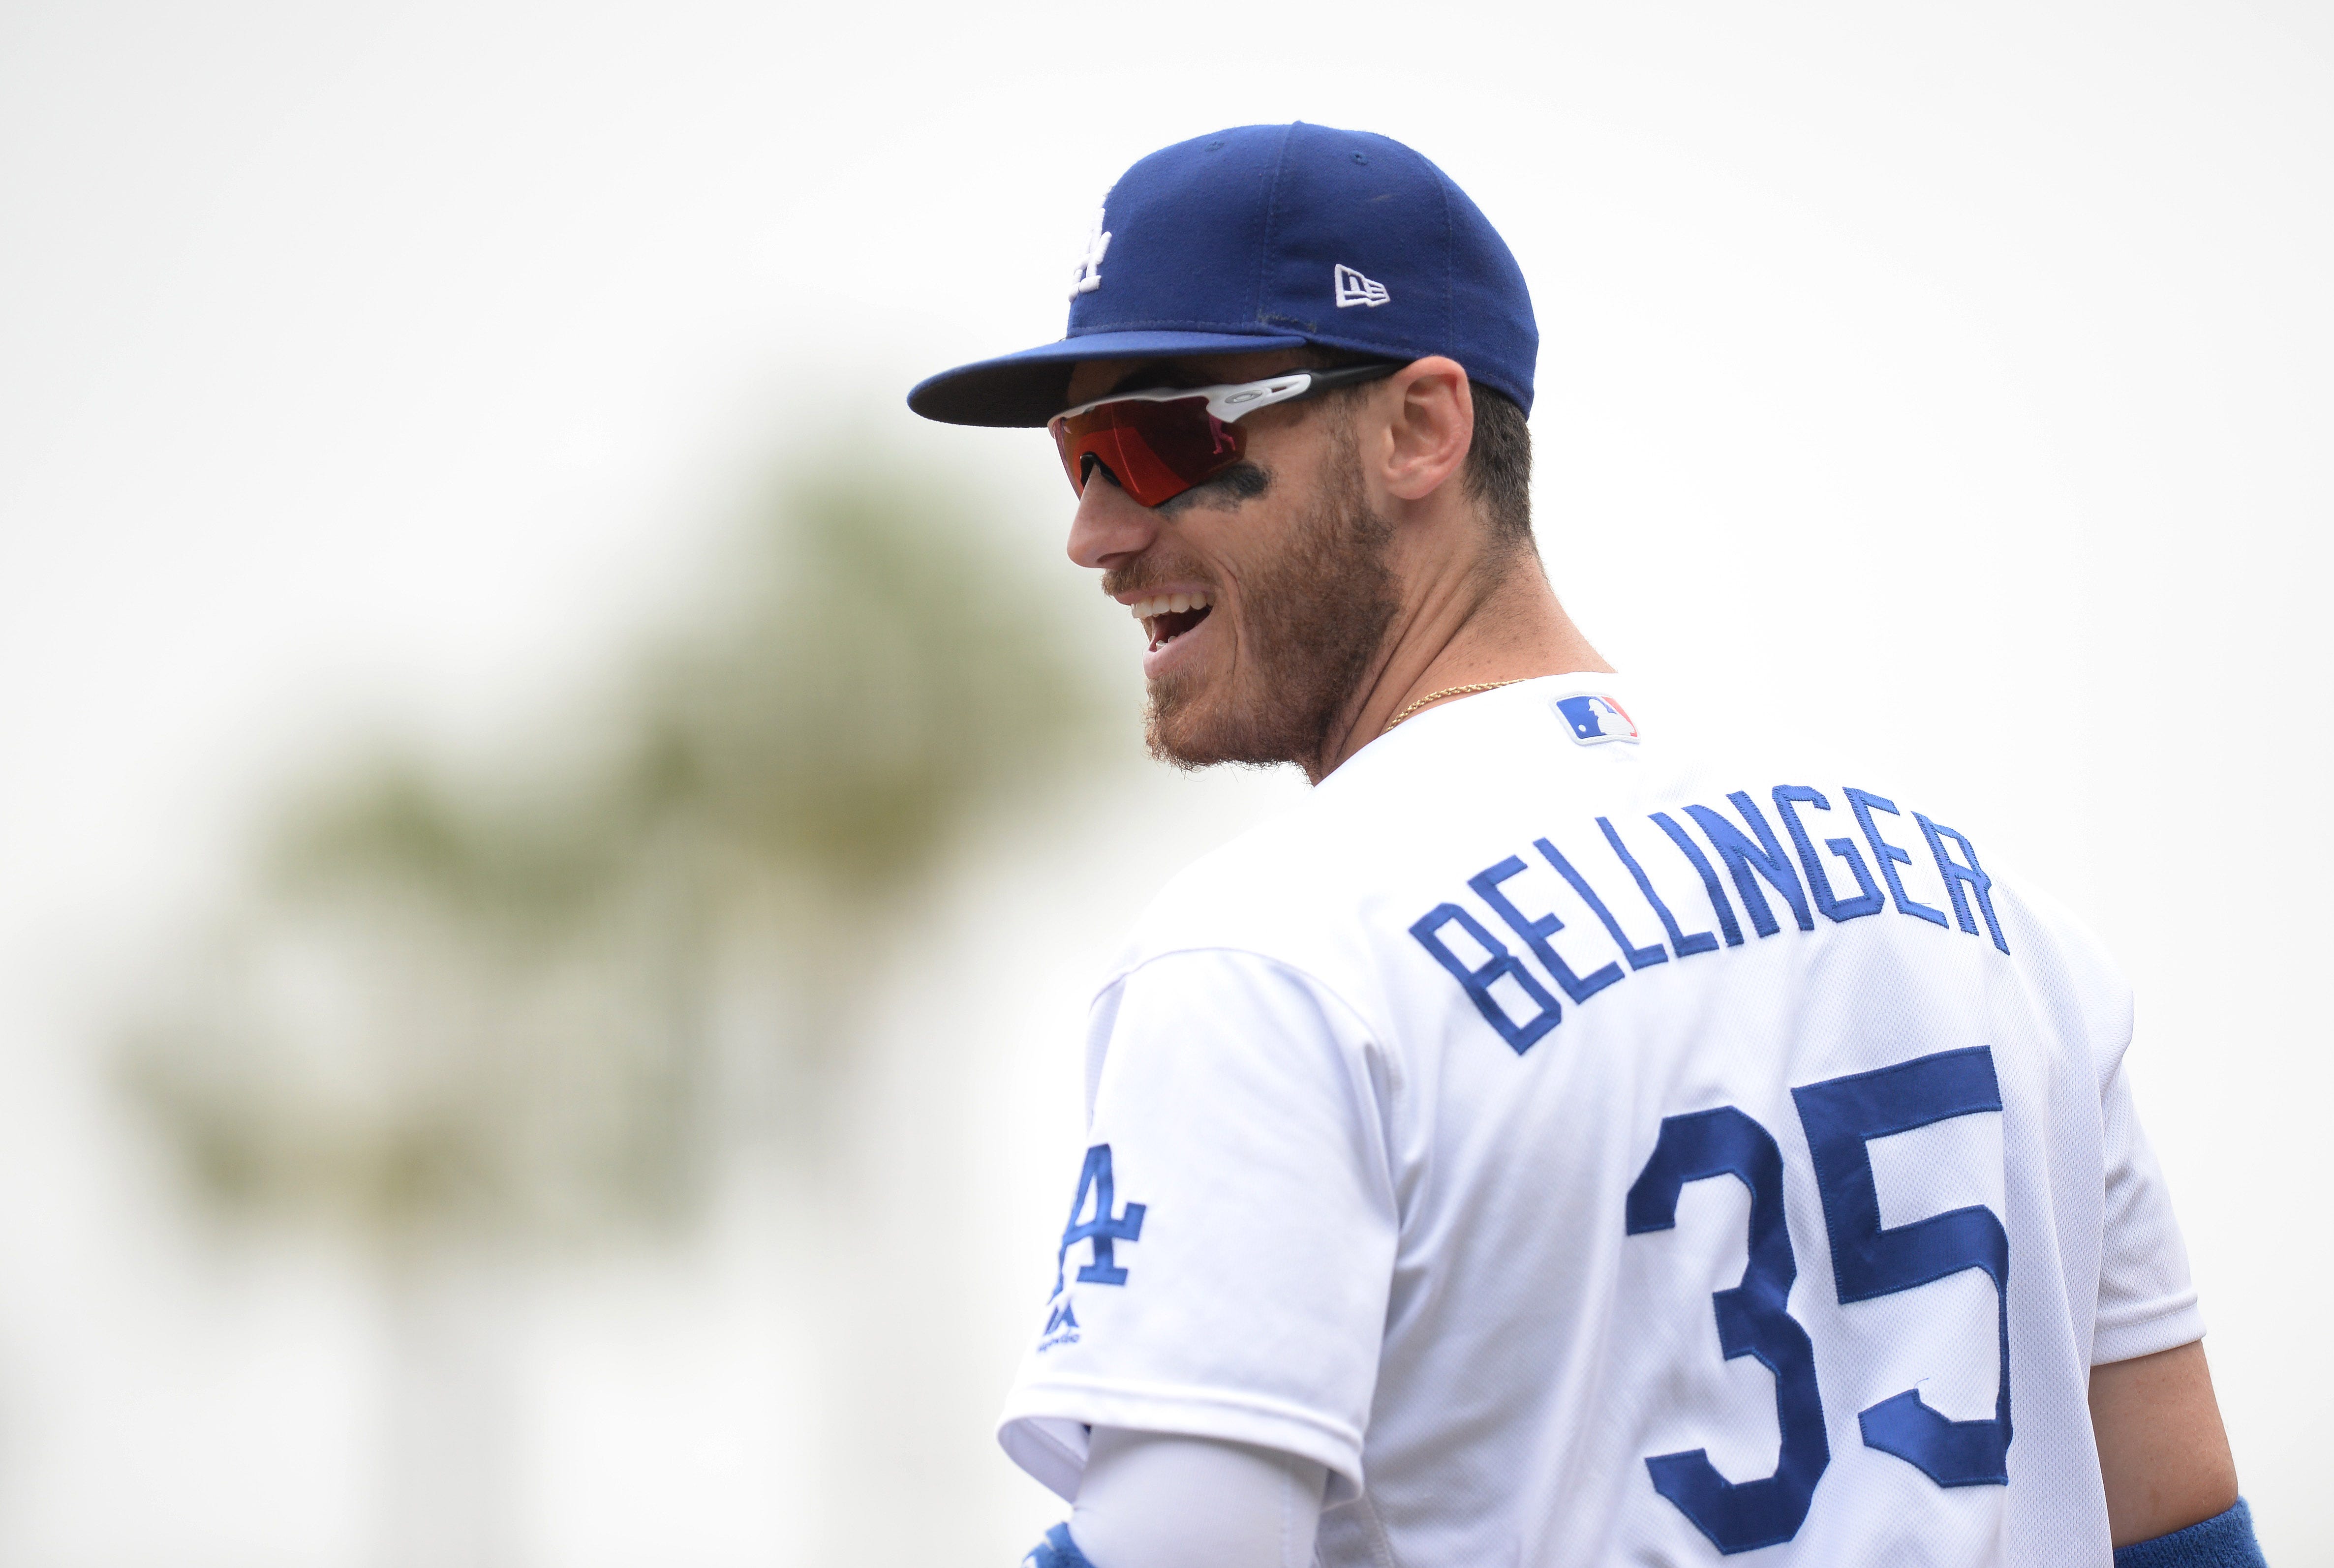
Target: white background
x,y
1953,378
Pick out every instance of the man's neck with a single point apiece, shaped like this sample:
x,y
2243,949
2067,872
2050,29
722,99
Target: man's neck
x,y
1496,622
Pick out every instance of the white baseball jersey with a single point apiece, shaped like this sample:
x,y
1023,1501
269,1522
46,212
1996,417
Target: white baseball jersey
x,y
1596,1153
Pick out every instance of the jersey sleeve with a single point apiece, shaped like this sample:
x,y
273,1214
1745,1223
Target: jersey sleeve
x,y
1225,1267
2146,1301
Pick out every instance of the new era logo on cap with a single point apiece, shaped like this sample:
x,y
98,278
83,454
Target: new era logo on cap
x,y
1354,289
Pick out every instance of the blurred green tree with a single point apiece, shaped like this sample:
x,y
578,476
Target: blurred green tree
x,y
481,1004
473,1011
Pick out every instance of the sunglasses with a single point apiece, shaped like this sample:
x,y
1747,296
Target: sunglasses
x,y
1159,444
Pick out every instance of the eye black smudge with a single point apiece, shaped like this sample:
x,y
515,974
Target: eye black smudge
x,y
1241,482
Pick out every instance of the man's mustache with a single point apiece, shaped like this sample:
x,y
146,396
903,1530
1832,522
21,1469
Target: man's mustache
x,y
1138,576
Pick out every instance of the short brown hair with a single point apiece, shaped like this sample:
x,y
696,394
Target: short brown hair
x,y
1499,467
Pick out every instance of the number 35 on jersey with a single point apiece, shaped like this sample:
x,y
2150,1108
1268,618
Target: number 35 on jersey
x,y
1840,1117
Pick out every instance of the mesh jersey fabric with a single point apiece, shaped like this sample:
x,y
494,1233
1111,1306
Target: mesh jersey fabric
x,y
1592,1150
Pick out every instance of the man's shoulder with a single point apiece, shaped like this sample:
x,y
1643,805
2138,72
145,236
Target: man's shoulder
x,y
1273,890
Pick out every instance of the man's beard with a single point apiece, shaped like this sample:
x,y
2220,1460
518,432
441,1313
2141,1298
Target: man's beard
x,y
1316,618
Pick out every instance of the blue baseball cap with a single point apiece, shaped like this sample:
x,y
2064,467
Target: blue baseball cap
x,y
1271,236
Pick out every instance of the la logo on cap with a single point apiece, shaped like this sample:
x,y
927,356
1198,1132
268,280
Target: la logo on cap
x,y
1087,276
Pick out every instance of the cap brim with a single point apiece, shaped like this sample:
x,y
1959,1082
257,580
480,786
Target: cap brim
x,y
1028,389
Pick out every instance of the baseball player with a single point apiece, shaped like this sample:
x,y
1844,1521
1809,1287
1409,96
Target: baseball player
x,y
1554,1142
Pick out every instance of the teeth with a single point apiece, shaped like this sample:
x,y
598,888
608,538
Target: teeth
x,y
1168,604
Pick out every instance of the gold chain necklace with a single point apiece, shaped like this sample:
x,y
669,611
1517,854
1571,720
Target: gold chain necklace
x,y
1450,691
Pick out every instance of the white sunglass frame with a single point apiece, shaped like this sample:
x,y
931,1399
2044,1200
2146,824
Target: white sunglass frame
x,y
1229,400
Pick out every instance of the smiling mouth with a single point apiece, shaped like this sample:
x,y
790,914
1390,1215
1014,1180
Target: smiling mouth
x,y
1170,616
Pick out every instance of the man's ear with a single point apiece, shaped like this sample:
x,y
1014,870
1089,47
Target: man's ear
x,y
1429,427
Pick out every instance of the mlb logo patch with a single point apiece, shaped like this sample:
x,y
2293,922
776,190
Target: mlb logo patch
x,y
1595,719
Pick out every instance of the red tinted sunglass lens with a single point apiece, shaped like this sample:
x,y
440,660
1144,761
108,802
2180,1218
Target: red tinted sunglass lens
x,y
1156,450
